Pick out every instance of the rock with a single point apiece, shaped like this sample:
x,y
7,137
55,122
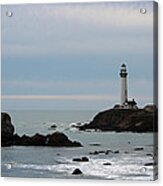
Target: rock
x,y
150,164
56,139
76,159
107,163
77,172
7,130
121,120
116,152
151,155
24,141
59,139
94,153
53,127
17,139
38,140
83,159
101,151
138,148
95,144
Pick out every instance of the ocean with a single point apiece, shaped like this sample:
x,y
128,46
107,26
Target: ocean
x,y
54,162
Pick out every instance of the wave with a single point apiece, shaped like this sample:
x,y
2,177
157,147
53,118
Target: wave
x,y
95,168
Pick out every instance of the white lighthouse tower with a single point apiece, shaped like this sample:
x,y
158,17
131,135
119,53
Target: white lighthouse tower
x,y
123,75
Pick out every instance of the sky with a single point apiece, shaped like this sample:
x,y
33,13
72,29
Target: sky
x,y
68,56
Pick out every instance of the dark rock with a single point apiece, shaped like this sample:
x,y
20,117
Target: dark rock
x,y
109,151
116,152
53,127
58,139
83,159
107,163
94,153
101,151
106,153
24,141
95,144
149,155
7,130
138,149
76,159
77,172
17,139
120,120
38,140
150,164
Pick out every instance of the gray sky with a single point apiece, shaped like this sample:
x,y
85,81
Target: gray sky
x,y
68,56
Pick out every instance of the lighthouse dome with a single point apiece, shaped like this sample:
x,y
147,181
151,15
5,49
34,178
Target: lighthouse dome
x,y
123,65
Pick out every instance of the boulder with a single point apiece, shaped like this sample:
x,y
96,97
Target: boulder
x,y
116,152
77,172
59,139
107,163
7,130
138,148
53,127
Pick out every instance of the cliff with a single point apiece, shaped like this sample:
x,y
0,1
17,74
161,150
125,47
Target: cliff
x,y
121,120
7,130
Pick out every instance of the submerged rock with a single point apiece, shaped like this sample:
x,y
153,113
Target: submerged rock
x,y
116,152
107,163
94,144
150,164
7,130
138,149
77,172
83,159
53,127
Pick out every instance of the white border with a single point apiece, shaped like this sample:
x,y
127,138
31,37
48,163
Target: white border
x,y
68,182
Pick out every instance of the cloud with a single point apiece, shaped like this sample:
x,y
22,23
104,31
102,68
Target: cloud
x,y
66,29
59,97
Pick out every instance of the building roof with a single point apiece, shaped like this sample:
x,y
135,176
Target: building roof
x,y
123,65
133,102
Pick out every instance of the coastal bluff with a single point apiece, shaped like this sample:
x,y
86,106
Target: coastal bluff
x,y
9,138
125,120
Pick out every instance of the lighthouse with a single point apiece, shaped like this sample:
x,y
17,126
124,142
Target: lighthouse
x,y
123,75
125,103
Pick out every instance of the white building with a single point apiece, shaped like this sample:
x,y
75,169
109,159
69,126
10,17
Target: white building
x,y
125,103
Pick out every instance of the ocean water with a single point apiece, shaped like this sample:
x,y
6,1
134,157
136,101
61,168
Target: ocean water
x,y
52,162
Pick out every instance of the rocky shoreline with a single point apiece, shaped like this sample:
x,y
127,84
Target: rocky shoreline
x,y
118,120
125,120
9,138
